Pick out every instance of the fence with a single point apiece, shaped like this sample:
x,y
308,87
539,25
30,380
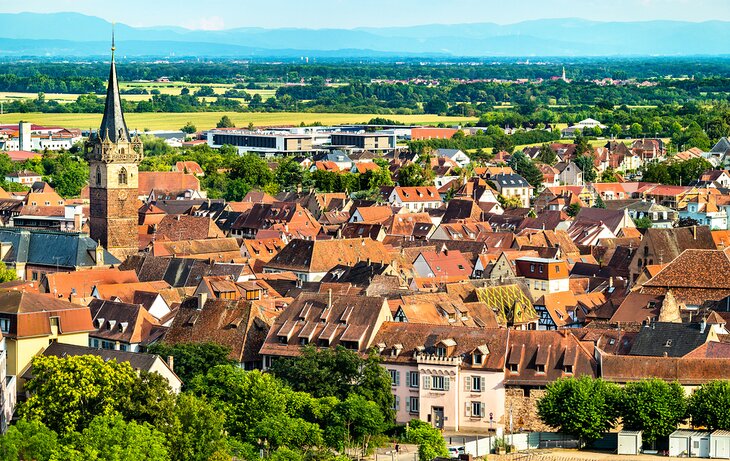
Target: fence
x,y
482,445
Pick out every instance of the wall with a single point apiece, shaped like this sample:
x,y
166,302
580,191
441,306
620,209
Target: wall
x,y
524,410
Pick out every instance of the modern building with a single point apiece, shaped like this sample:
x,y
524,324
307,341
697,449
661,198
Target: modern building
x,y
370,141
265,143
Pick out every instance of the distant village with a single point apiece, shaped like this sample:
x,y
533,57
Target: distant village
x,y
475,292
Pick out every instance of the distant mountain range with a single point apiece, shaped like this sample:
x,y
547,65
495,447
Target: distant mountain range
x,y
77,35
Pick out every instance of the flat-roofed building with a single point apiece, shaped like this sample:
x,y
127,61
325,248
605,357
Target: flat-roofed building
x,y
262,142
371,141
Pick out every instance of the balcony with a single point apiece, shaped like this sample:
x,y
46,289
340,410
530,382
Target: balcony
x,y
432,359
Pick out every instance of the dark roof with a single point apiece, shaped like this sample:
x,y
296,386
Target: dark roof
x,y
611,218
113,125
669,339
460,209
50,248
509,180
359,275
178,272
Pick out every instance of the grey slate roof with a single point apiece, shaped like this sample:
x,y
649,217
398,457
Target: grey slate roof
x,y
49,248
112,123
672,339
722,146
509,180
178,272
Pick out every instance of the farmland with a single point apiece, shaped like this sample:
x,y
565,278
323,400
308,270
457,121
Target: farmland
x,y
206,120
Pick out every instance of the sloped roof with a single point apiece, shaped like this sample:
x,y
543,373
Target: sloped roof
x,y
51,248
411,339
33,314
669,339
323,255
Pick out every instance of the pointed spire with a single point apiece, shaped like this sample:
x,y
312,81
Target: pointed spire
x,y
113,123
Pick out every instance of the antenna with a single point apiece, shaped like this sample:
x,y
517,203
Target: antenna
x,y
113,46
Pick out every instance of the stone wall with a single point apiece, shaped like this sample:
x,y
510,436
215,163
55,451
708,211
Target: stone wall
x,y
524,410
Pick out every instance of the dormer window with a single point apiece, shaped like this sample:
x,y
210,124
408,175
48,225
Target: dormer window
x,y
539,368
283,340
477,358
668,343
513,368
440,351
568,369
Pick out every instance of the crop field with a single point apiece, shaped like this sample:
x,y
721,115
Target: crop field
x,y
206,120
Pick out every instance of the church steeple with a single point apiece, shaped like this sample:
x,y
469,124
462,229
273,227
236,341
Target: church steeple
x,y
113,124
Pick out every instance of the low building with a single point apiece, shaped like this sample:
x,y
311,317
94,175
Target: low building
x,y
451,377
264,143
543,275
415,199
513,186
25,177
30,322
376,142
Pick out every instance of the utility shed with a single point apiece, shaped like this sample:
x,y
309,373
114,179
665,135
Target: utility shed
x,y
720,444
629,442
692,444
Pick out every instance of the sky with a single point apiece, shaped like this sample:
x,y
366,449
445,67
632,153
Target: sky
x,y
227,14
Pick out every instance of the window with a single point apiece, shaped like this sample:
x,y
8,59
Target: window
x,y
34,275
123,176
441,351
478,358
109,345
412,405
513,368
540,267
557,269
668,343
122,347
396,403
477,409
394,377
283,340
532,268
439,383
476,384
544,285
5,325
568,369
413,379
98,176
303,341
539,368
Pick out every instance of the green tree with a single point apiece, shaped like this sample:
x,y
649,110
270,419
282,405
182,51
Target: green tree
x,y
572,210
374,179
7,275
226,122
244,397
281,431
361,420
67,393
584,407
252,170
337,372
585,163
616,130
197,432
654,407
643,222
28,440
193,359
430,441
636,130
599,203
189,128
289,174
110,438
547,155
523,166
709,406
411,174
70,176
581,143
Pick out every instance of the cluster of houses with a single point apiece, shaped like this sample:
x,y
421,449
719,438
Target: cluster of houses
x,y
476,291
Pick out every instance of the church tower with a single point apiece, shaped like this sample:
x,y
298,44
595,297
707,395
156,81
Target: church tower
x,y
113,176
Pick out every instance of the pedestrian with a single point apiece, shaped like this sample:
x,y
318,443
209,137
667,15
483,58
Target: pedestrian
x,y
397,448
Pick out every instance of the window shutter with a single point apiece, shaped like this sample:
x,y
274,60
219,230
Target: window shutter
x,y
481,409
483,384
446,383
468,408
397,378
397,402
408,404
467,383
427,382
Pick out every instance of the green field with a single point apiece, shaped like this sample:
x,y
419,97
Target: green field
x,y
206,120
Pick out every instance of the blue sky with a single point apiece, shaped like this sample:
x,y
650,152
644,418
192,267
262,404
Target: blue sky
x,y
220,14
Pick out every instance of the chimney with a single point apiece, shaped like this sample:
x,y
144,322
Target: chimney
x,y
329,298
99,254
77,221
610,282
171,362
703,325
694,232
202,298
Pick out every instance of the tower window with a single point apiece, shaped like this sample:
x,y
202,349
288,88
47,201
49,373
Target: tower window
x,y
123,176
98,176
